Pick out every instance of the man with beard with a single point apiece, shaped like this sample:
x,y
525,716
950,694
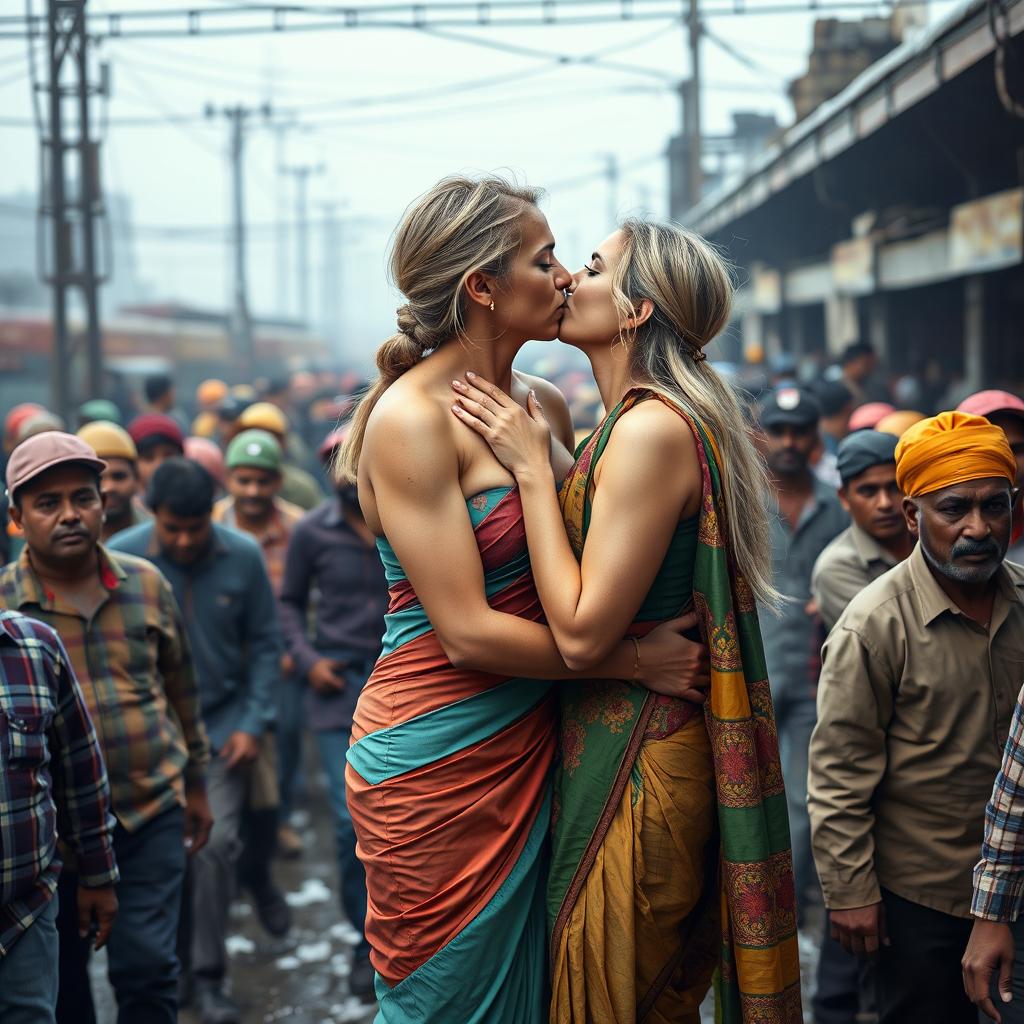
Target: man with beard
x,y
122,630
221,584
119,483
808,517
333,554
918,685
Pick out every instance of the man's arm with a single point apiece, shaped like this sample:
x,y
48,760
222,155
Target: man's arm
x,y
174,660
263,641
81,792
293,601
847,762
998,878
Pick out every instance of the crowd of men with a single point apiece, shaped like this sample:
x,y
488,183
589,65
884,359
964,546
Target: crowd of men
x,y
178,611
175,611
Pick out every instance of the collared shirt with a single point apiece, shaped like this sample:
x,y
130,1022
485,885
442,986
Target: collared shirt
x,y
329,559
999,875
849,563
232,625
273,539
791,639
132,662
48,753
914,705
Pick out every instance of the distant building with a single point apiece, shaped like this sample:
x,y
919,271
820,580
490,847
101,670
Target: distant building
x,y
841,51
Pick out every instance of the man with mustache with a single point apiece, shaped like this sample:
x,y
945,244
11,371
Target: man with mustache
x,y
118,620
809,516
919,680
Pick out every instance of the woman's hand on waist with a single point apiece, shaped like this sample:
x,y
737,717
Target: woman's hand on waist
x,y
672,665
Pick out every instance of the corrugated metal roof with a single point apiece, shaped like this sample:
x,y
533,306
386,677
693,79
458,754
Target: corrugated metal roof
x,y
890,86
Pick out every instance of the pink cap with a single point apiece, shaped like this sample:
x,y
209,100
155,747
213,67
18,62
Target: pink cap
x,y
208,455
866,417
54,448
987,403
335,439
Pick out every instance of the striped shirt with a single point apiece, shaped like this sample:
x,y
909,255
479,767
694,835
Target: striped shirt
x,y
51,777
999,875
132,661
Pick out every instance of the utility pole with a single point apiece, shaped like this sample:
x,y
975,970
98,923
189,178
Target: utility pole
x,y
244,349
283,300
302,174
330,293
691,107
67,208
611,174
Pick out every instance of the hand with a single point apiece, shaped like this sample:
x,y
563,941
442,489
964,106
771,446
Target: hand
x,y
860,930
990,948
325,677
100,906
240,748
672,665
287,664
520,439
198,819
811,608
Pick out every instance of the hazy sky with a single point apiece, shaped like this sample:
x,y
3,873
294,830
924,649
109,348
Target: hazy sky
x,y
549,124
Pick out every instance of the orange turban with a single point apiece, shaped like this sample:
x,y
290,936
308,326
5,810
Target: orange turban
x,y
898,422
949,449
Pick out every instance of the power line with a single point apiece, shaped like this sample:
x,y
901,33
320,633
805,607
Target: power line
x,y
276,19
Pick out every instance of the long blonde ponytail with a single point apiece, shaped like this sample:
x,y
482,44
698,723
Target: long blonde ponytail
x,y
691,289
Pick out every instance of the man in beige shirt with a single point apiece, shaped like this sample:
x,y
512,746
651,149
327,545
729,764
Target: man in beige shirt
x,y
877,539
919,682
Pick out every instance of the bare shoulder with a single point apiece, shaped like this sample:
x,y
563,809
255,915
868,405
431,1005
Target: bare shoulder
x,y
549,394
652,426
406,426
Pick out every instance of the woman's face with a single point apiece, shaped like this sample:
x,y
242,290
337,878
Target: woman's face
x,y
591,316
529,301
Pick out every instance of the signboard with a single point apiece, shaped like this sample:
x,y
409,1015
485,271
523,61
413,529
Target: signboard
x,y
767,287
853,267
987,234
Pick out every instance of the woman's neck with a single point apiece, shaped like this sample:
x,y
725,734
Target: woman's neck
x,y
490,358
610,365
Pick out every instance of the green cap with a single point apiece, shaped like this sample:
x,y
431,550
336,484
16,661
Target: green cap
x,y
99,409
255,448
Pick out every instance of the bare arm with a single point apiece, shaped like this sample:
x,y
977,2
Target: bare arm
x,y
415,480
649,473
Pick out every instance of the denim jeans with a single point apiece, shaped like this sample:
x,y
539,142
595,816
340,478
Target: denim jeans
x,y
142,963
333,746
28,973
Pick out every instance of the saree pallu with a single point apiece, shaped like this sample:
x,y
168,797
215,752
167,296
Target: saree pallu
x,y
651,888
449,786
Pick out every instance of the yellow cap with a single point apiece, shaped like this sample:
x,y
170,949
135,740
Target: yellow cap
x,y
205,424
263,416
210,392
108,440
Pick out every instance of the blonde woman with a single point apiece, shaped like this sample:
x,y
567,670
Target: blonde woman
x,y
670,830
448,776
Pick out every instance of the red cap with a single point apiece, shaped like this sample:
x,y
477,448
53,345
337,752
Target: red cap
x,y
19,414
45,451
208,455
155,424
987,403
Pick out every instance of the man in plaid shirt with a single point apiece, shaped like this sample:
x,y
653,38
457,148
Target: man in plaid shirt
x,y
51,778
999,890
122,630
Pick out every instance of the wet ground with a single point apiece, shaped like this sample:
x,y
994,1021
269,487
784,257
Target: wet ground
x,y
303,979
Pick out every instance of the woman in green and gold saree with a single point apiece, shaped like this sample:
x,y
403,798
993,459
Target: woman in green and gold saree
x,y
670,858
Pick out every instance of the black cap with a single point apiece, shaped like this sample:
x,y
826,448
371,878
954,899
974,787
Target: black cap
x,y
790,405
833,396
863,449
